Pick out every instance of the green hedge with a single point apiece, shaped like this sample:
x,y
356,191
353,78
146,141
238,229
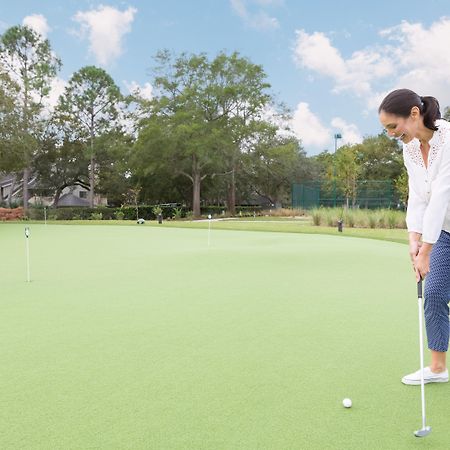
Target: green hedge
x,y
245,211
104,213
129,212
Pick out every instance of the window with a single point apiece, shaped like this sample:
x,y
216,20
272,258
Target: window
x,y
83,194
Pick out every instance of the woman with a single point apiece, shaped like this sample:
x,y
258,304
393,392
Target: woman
x,y
416,121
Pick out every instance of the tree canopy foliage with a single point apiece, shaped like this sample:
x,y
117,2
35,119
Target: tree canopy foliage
x,y
213,133
27,60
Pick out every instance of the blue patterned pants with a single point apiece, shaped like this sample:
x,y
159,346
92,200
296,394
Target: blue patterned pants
x,y
437,295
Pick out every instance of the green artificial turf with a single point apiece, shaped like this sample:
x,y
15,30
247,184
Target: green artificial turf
x,y
145,337
272,224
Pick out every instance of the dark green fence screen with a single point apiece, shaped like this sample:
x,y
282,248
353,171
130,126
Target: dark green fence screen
x,y
366,194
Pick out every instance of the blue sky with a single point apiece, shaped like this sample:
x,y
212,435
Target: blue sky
x,y
330,62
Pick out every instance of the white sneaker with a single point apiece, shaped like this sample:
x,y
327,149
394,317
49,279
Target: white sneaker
x,y
428,377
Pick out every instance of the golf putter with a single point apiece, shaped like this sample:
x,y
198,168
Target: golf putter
x,y
425,430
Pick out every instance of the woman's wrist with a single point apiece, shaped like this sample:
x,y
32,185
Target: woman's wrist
x,y
425,249
414,237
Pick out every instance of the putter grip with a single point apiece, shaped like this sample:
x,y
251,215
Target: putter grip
x,y
419,288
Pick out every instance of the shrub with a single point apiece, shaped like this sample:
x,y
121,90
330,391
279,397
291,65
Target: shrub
x,y
333,216
381,218
316,216
350,220
96,216
119,215
241,211
36,213
156,210
283,212
177,213
372,219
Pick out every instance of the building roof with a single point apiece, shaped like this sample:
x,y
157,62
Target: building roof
x,y
6,179
72,200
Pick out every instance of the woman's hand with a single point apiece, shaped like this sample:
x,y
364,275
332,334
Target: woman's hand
x,y
414,247
422,261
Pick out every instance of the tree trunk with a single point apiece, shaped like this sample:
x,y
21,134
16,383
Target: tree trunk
x,y
13,185
91,182
92,171
26,177
196,182
232,194
56,197
196,196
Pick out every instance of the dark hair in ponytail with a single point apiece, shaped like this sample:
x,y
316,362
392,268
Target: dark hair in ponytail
x,y
400,102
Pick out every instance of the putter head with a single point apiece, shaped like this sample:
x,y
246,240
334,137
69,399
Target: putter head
x,y
423,432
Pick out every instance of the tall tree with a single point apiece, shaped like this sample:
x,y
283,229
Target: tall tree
x,y
157,164
273,165
237,93
348,172
401,186
380,157
31,64
341,171
113,150
447,113
9,118
206,108
89,108
176,134
60,165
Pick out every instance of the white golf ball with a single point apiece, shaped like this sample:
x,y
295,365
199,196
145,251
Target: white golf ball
x,y
347,403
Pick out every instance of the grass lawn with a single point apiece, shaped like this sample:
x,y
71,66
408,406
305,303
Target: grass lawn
x,y
145,337
272,224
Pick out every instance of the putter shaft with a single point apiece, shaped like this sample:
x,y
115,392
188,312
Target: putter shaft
x,y
424,431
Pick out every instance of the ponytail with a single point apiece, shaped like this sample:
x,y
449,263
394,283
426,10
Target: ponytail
x,y
430,111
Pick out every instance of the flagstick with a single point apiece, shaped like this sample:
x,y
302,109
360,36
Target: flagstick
x,y
209,230
27,236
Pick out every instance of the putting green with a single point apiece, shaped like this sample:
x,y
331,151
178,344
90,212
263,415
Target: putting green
x,y
147,338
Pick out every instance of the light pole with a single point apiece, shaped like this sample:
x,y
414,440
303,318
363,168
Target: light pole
x,y
336,137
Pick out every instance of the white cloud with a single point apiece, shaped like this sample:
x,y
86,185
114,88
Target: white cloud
x,y
307,127
259,19
145,91
422,57
239,8
38,23
106,27
315,52
271,115
262,21
315,135
269,2
350,133
413,55
57,88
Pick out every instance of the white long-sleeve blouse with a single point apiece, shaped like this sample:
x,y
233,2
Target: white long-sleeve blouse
x,y
428,211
